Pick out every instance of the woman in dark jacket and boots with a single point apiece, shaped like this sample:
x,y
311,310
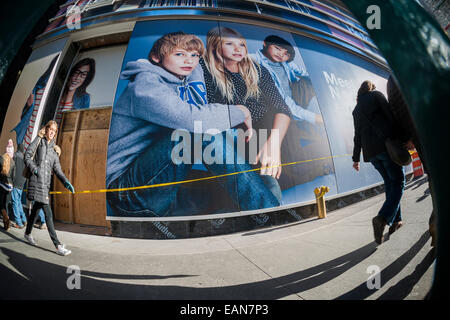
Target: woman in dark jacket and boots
x,y
6,185
400,111
373,125
45,161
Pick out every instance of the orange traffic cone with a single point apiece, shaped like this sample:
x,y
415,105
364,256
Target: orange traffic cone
x,y
417,165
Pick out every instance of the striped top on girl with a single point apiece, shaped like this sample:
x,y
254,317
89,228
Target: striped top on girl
x,y
37,102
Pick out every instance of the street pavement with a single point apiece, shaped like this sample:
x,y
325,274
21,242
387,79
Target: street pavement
x,y
313,259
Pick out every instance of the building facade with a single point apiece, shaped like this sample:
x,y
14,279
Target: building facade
x,y
155,149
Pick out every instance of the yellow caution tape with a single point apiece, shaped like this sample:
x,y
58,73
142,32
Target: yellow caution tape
x,y
188,181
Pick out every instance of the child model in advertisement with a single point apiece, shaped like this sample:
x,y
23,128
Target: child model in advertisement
x,y
164,93
233,77
25,128
277,56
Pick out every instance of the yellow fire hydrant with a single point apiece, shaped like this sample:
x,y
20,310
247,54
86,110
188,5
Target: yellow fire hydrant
x,y
320,192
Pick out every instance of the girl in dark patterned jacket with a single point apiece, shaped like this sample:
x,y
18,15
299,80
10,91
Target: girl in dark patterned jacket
x,y
231,76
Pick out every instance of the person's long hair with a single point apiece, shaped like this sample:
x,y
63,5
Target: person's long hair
x,y
215,64
49,124
6,164
81,90
365,87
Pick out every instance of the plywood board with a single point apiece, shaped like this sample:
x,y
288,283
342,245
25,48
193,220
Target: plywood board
x,y
83,138
90,175
61,203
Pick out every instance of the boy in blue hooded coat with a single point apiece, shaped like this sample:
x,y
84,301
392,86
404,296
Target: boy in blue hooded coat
x,y
277,56
164,93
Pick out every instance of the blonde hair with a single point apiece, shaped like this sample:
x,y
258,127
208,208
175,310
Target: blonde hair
x,y
175,40
6,164
57,150
215,64
48,125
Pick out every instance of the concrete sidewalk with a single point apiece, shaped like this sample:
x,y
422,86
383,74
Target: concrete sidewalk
x,y
330,258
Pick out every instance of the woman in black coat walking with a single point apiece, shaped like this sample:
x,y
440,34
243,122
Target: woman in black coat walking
x,y
373,125
45,162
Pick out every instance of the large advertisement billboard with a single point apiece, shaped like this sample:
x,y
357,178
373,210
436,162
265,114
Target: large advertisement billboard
x,y
179,135
30,95
336,76
90,82
210,118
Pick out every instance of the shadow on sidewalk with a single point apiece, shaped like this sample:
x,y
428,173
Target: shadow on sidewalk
x,y
402,289
82,229
38,279
15,238
405,286
270,229
417,182
426,194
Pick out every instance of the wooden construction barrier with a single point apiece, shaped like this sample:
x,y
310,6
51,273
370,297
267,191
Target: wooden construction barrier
x,y
83,138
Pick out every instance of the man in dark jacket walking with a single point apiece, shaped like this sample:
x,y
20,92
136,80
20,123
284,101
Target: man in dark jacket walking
x,y
45,162
373,125
409,136
19,180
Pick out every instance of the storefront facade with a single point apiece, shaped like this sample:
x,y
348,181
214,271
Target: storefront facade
x,y
86,73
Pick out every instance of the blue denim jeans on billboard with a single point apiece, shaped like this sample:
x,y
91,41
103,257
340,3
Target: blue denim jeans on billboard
x,y
16,200
273,185
155,166
394,184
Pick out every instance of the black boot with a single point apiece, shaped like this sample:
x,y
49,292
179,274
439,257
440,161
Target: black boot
x,y
5,219
378,224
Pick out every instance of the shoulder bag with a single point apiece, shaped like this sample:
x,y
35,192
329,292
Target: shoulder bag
x,y
395,148
27,171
